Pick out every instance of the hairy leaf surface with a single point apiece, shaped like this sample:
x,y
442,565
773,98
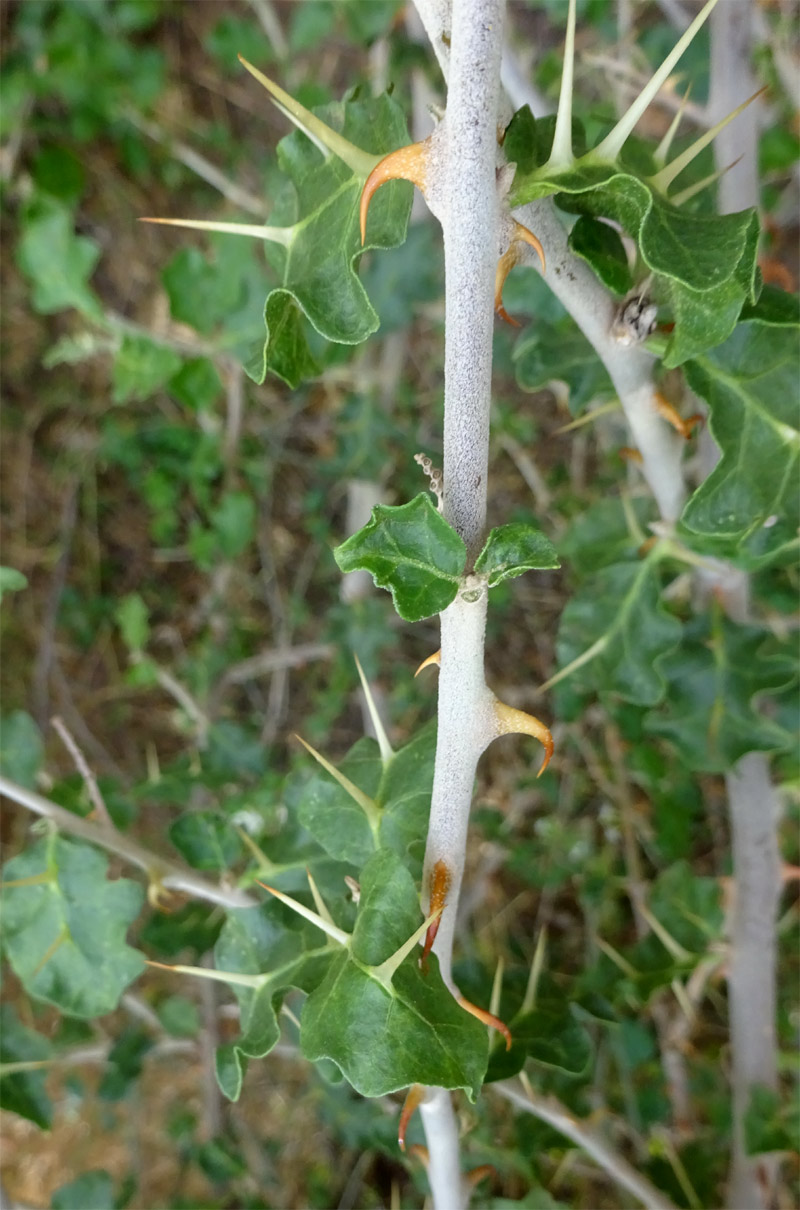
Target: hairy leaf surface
x,y
65,936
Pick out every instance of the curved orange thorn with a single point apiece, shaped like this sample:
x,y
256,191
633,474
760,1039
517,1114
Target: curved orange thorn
x,y
504,266
487,1018
406,164
527,237
516,722
510,258
667,410
647,546
628,454
476,1175
436,659
439,886
412,1102
421,1153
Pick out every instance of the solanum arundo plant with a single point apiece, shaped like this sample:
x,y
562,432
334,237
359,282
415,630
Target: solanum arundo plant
x,y
654,284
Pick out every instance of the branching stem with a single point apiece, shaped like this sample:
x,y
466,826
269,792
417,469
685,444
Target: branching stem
x,y
160,871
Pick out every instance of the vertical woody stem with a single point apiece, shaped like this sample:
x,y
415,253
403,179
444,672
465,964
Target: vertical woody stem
x,y
469,221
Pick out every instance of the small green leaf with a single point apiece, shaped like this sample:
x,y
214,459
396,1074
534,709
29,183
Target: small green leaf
x,y
57,261
750,503
548,1034
92,1190
560,352
513,549
405,796
388,909
256,941
197,384
11,580
411,550
332,816
24,1092
601,246
141,367
688,906
179,1016
132,618
21,748
65,936
769,1125
206,840
234,523
614,633
712,679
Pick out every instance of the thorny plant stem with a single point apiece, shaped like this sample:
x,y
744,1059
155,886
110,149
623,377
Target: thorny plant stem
x,y
630,368
161,872
469,221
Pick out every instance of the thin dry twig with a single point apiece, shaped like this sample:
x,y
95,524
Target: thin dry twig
x,y
549,1110
82,765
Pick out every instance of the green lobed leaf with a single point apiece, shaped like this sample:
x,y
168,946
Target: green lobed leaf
x,y
141,367
65,936
332,816
618,612
712,679
749,506
704,266
401,791
258,941
318,278
513,549
388,909
404,795
385,1039
546,352
601,246
206,840
11,580
24,1092
21,748
93,1190
688,906
411,550
549,1034
56,261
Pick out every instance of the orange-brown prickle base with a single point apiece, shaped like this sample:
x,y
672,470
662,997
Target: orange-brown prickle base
x,y
439,886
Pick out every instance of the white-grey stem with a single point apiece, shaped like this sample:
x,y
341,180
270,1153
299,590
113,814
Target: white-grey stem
x,y
441,1133
754,814
160,871
732,79
469,219
549,1110
629,367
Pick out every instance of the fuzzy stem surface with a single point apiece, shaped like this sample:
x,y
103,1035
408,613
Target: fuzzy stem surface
x,y
629,367
753,808
470,222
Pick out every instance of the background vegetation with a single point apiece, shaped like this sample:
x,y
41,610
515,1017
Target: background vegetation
x,y
184,616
